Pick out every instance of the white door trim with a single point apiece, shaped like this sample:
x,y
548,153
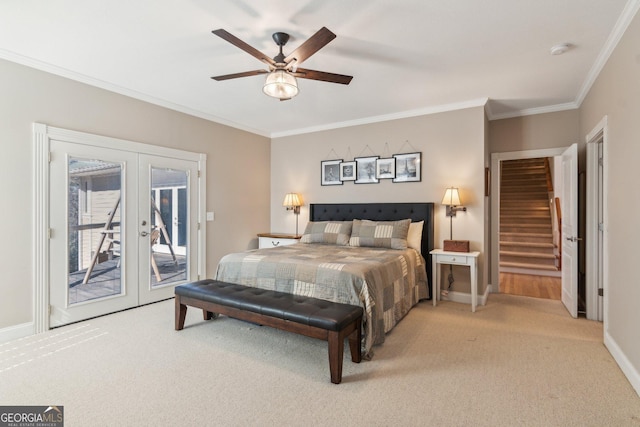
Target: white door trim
x,y
593,266
496,158
42,135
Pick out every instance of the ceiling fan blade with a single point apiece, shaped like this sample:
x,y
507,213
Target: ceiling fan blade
x,y
304,73
225,35
237,75
311,46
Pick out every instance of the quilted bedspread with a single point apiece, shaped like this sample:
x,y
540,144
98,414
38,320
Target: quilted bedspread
x,y
385,282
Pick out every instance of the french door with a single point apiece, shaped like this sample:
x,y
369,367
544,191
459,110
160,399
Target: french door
x,y
123,228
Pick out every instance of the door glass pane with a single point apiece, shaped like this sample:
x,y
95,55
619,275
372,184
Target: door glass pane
x,y
94,229
169,228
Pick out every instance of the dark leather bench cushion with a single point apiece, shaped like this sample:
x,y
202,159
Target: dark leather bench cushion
x,y
309,311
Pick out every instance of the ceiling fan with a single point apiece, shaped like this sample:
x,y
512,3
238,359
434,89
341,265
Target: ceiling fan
x,y
281,76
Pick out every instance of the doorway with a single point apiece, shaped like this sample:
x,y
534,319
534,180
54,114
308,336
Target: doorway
x,y
123,223
596,262
511,281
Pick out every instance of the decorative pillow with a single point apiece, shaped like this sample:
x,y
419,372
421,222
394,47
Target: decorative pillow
x,y
414,237
380,234
335,232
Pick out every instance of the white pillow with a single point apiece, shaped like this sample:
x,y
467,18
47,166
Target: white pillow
x,y
414,237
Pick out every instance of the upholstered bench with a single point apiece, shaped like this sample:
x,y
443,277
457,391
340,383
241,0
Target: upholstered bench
x,y
316,318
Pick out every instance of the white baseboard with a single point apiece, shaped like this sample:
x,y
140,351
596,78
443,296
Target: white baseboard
x,y
465,298
15,332
625,365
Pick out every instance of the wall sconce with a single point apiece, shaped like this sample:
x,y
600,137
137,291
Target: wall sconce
x,y
452,201
293,201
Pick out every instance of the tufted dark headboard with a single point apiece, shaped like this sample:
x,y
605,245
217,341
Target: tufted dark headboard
x,y
381,212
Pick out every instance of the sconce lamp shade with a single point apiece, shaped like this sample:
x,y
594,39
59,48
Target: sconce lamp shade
x,y
280,84
451,197
292,200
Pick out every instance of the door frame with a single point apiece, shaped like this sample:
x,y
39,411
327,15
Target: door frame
x,y
594,265
42,135
496,159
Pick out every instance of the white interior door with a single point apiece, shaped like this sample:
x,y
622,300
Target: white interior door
x,y
107,229
569,205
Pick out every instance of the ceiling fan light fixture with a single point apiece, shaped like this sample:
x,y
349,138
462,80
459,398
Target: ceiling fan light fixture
x,y
280,84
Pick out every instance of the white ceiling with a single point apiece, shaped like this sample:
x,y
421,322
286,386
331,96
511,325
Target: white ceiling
x,y
408,57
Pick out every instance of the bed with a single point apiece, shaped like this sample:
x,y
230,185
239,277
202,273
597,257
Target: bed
x,y
387,282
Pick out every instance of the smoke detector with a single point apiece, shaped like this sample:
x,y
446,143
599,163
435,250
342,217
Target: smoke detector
x,y
559,49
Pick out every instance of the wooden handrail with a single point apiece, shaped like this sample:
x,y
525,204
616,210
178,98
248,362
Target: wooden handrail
x,y
559,222
547,170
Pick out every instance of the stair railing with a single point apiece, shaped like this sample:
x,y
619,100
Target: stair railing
x,y
547,172
557,231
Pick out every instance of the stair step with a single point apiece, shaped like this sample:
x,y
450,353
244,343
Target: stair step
x,y
523,234
523,208
522,165
524,222
528,244
543,239
528,161
517,195
521,179
526,265
525,213
527,255
533,203
546,237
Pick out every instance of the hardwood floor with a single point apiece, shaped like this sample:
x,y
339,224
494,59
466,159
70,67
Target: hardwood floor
x,y
531,286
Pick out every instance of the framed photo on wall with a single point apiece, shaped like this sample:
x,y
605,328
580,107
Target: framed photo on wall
x,y
408,167
348,171
386,168
330,172
366,170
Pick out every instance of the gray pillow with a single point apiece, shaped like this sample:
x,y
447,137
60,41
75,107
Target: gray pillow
x,y
380,234
333,232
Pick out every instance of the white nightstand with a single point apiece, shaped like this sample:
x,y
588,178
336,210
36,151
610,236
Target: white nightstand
x,y
470,259
272,240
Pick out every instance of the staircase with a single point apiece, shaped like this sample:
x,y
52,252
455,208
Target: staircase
x,y
526,236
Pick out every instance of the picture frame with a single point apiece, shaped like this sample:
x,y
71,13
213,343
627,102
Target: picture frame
x,y
408,167
330,172
348,171
386,168
366,170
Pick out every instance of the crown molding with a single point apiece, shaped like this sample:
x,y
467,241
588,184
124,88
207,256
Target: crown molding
x,y
534,111
72,75
628,13
481,102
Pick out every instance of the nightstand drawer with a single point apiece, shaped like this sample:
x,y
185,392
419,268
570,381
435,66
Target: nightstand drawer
x,y
275,241
452,259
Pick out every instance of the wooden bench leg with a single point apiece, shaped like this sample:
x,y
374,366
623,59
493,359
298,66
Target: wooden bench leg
x,y
208,315
354,343
181,314
336,351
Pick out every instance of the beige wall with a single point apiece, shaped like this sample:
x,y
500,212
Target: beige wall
x,y
549,130
453,154
237,167
616,94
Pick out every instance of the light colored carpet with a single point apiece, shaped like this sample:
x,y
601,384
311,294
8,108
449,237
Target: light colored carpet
x,y
517,361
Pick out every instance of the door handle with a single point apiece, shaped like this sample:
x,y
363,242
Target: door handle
x,y
574,239
144,233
